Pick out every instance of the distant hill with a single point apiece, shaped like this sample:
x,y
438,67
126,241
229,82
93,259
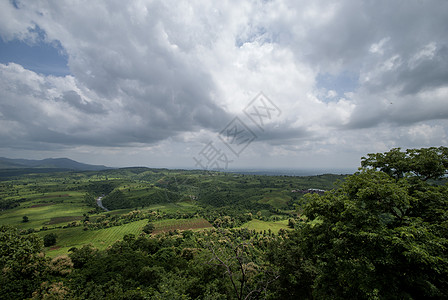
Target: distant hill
x,y
48,163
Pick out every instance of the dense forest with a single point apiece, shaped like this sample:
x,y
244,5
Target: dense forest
x,y
381,233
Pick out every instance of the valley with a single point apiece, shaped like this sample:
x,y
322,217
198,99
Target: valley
x,y
66,203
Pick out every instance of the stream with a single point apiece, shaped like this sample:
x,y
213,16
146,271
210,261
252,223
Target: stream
x,y
100,204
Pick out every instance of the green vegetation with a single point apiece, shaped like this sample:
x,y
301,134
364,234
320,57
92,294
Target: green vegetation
x,y
381,235
170,234
149,228
101,239
50,239
265,226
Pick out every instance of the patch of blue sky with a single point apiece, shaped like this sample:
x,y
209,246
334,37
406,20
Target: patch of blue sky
x,y
259,34
336,85
39,56
15,3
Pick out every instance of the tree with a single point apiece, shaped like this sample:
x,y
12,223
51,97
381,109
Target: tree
x,y
149,228
291,223
50,239
83,255
241,262
22,265
425,163
382,234
25,219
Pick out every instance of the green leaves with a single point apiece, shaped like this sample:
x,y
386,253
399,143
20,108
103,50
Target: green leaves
x,y
382,234
21,264
425,163
149,228
50,239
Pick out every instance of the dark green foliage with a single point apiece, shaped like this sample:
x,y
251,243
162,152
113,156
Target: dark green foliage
x,y
6,174
380,235
50,239
425,163
8,203
21,266
25,219
181,266
90,200
117,199
291,223
149,228
99,188
81,256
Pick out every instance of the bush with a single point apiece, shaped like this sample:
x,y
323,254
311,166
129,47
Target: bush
x,y
50,239
149,228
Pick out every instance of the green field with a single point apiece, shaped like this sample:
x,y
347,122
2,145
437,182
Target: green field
x,y
259,225
101,239
277,199
185,207
45,211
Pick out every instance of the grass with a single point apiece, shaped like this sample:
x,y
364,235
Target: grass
x,y
101,239
259,225
65,220
275,199
43,214
185,207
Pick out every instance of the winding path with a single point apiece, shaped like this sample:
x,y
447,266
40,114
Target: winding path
x,y
100,204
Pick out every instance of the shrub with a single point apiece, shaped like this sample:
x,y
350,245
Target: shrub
x,y
50,239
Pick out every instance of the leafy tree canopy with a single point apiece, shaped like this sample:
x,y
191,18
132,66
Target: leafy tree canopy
x,y
21,264
149,228
50,239
381,234
425,163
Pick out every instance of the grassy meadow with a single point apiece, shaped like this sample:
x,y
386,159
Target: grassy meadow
x,y
48,210
101,239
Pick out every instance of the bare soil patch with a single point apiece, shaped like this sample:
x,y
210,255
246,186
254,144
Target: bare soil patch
x,y
183,225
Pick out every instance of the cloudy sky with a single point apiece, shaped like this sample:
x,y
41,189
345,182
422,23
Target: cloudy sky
x,y
175,83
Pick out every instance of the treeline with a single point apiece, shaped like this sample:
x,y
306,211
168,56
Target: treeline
x,y
108,220
7,174
9,203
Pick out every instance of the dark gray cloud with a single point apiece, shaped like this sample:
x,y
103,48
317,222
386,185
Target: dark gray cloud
x,y
341,34
75,100
420,74
280,134
399,50
139,86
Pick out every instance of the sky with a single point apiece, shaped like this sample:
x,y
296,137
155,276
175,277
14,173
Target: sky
x,y
222,84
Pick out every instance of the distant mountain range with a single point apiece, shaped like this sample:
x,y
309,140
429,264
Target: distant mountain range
x,y
48,163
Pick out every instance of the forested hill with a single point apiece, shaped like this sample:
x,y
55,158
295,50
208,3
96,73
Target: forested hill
x,y
48,163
